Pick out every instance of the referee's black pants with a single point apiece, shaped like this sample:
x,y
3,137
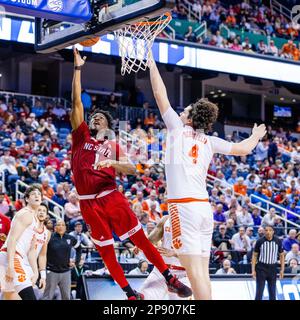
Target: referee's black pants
x,y
265,272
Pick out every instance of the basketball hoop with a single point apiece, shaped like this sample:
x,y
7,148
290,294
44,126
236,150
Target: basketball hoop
x,y
136,40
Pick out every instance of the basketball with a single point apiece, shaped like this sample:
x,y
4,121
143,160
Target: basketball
x,y
90,42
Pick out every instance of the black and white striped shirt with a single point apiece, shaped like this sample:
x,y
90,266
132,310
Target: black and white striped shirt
x,y
268,250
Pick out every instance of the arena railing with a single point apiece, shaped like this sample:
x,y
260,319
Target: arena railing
x,y
270,204
137,142
140,146
129,112
171,34
223,26
2,180
201,30
277,6
7,95
192,15
289,154
58,211
223,184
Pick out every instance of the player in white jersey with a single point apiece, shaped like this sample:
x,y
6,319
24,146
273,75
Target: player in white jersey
x,y
40,244
41,239
188,154
18,264
154,287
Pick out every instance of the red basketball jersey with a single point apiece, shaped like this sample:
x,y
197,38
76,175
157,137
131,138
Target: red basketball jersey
x,y
4,226
86,152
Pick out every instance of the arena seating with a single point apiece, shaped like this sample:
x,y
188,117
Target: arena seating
x,y
276,175
230,23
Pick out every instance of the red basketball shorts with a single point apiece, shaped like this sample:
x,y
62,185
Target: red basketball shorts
x,y
108,214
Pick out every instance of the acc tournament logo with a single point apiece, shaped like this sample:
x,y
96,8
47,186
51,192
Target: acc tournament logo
x,y
55,5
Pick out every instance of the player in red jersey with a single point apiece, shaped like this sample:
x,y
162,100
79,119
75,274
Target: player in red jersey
x,y
95,161
4,228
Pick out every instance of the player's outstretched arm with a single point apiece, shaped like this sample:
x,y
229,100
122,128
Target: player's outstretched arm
x,y
125,168
77,113
158,88
246,146
121,166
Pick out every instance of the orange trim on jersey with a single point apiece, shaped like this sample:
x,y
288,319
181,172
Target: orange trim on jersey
x,y
176,227
186,200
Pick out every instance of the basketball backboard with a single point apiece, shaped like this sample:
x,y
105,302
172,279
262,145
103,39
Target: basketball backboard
x,y
107,16
78,11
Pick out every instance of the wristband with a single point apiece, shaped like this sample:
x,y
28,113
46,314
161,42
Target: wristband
x,y
43,274
77,67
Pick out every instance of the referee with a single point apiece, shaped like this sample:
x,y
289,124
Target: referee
x,y
266,251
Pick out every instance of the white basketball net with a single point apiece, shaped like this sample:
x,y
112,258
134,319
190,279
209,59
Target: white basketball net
x,y
135,43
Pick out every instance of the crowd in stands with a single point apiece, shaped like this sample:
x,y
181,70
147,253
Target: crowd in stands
x,y
37,149
247,16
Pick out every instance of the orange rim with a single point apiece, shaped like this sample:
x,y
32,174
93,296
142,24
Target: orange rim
x,y
153,23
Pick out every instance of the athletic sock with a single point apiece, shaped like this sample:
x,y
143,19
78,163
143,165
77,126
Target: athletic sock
x,y
129,291
168,275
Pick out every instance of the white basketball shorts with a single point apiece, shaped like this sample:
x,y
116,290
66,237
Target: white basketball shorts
x,y
192,226
22,277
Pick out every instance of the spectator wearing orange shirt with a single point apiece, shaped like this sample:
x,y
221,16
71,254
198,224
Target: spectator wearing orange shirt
x,y
240,187
6,116
140,167
292,32
287,49
139,197
154,214
266,189
295,53
152,199
164,206
46,189
150,120
231,20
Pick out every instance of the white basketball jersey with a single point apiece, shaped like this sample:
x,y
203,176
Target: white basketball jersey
x,y
167,243
24,242
41,238
188,156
